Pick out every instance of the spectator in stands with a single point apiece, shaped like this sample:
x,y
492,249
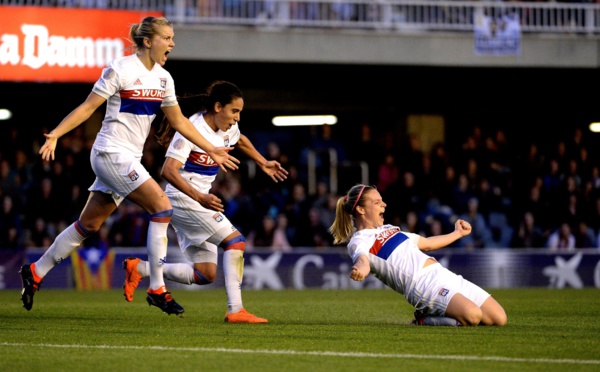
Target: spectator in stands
x,y
133,225
480,236
552,182
238,205
561,239
271,234
22,170
387,172
594,214
314,233
446,188
9,182
411,223
528,234
296,209
404,196
43,202
281,241
366,148
38,236
324,202
461,194
528,166
11,225
584,235
409,155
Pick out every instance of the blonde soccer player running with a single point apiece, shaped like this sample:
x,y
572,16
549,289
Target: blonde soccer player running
x,y
135,88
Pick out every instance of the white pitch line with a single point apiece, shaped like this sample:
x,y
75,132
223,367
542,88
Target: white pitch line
x,y
320,353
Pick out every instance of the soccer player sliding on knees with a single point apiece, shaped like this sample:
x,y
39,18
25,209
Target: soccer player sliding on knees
x,y
398,259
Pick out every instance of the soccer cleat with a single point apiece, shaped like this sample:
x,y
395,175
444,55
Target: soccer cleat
x,y
165,302
30,286
419,318
132,277
439,321
243,316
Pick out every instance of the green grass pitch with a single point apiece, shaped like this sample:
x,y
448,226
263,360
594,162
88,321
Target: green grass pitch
x,y
310,330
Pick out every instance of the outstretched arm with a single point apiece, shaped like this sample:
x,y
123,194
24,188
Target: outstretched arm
x,y
184,126
361,268
461,228
170,172
70,122
271,167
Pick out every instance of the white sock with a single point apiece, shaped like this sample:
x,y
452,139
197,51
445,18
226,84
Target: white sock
x,y
233,270
177,272
157,252
180,273
65,243
143,268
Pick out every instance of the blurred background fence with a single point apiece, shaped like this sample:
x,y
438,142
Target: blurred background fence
x,y
381,15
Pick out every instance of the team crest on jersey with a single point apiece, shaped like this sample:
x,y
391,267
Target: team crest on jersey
x,y
133,175
179,143
109,73
443,292
218,217
163,83
226,140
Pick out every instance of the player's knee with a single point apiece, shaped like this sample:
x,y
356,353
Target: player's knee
x,y
203,277
473,316
500,319
88,227
237,243
210,276
163,216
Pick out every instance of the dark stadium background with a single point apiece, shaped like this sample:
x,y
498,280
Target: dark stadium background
x,y
528,103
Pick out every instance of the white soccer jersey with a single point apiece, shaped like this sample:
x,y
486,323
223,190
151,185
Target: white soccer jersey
x,y
401,258
199,169
134,96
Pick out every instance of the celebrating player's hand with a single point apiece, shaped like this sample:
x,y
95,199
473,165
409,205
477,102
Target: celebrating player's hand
x,y
274,170
47,150
221,156
356,275
463,227
211,201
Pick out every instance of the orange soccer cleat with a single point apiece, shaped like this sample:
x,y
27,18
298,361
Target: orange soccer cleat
x,y
132,277
243,316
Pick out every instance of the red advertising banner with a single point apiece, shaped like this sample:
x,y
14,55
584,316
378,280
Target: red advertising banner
x,y
40,44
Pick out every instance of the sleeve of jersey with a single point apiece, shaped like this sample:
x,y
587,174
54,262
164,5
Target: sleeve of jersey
x,y
356,247
413,237
179,148
170,97
108,84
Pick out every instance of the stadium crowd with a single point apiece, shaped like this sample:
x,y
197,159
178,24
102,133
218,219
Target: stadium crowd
x,y
513,196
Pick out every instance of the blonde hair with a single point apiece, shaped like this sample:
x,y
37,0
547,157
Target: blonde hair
x,y
148,28
343,224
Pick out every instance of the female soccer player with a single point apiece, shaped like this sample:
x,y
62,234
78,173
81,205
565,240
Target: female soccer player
x,y
396,258
200,230
135,87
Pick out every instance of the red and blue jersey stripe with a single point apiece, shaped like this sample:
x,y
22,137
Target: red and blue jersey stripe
x,y
201,163
141,101
387,242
